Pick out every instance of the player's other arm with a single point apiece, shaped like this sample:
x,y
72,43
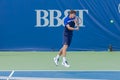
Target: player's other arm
x,y
71,28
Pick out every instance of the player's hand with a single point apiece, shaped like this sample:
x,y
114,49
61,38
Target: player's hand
x,y
77,28
75,20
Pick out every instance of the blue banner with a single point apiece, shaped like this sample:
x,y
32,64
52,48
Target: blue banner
x,y
38,24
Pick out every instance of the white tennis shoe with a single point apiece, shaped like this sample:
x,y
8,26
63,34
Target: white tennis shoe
x,y
65,63
56,61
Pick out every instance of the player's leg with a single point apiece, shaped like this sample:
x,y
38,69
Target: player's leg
x,y
64,49
64,62
56,59
60,52
67,43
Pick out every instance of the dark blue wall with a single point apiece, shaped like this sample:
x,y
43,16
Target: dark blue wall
x,y
18,20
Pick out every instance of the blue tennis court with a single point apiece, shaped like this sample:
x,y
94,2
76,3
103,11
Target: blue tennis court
x,y
59,75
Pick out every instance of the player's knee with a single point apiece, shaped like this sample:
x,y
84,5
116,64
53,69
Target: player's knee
x,y
65,46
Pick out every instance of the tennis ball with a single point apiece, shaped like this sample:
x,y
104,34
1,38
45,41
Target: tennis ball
x,y
111,21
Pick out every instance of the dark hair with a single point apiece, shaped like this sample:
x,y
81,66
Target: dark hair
x,y
72,12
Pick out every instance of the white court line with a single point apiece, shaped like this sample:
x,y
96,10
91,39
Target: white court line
x,y
70,70
66,70
10,74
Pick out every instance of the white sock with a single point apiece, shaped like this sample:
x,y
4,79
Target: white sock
x,y
57,56
64,59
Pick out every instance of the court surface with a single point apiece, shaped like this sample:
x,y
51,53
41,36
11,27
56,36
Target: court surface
x,y
40,66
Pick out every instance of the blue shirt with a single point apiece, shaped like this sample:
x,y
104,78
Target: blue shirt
x,y
69,21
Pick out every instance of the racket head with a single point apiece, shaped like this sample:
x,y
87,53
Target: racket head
x,y
78,21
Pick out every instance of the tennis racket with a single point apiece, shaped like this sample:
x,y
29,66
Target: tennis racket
x,y
78,21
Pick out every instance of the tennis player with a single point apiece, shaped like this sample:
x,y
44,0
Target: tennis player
x,y
69,23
